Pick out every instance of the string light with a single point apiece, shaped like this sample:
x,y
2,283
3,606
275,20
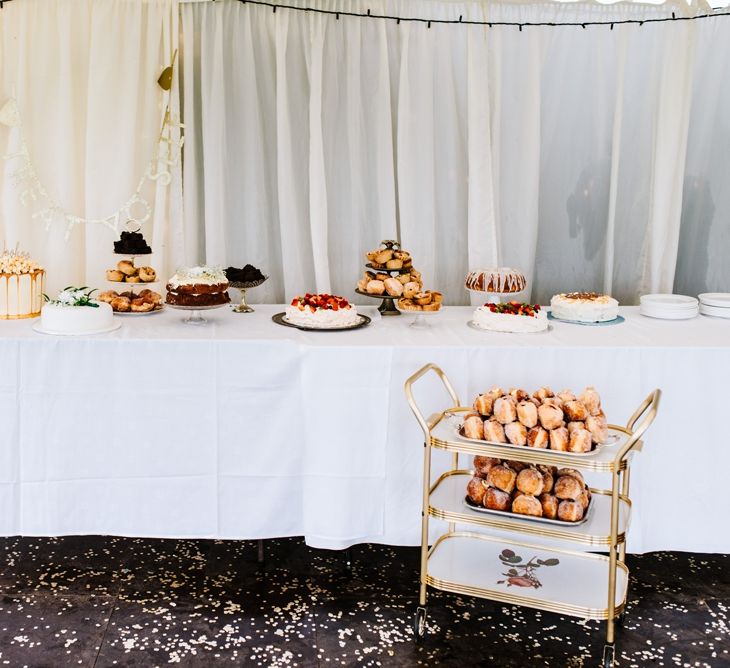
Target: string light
x,y
462,21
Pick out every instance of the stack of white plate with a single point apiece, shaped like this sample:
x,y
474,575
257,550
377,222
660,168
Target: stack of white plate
x,y
669,307
715,303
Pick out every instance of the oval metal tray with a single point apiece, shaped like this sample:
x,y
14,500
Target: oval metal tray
x,y
530,518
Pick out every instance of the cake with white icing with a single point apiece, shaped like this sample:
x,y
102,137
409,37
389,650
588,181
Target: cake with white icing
x,y
21,286
74,311
500,280
511,317
198,286
584,307
321,311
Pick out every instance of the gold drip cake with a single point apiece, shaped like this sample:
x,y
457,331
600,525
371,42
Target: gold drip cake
x,y
22,282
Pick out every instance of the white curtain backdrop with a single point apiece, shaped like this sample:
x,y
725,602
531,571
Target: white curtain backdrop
x,y
84,75
560,151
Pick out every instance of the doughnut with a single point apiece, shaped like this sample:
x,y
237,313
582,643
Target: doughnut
x,y
568,487
572,426
483,464
494,431
114,275
475,491
518,395
527,413
393,287
565,396
559,439
527,505
530,481
502,477
537,437
580,441
483,404
504,410
375,288
496,499
570,511
394,264
543,393
551,417
515,465
575,411
474,428
573,473
591,400
547,481
549,506
126,267
516,433
598,426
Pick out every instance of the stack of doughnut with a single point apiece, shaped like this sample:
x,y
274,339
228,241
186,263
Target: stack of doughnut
x,y
126,272
126,302
538,491
404,284
561,421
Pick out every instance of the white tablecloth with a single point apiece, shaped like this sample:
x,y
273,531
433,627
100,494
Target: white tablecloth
x,y
246,429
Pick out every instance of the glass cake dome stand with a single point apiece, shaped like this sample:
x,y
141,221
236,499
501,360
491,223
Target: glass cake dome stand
x,y
195,317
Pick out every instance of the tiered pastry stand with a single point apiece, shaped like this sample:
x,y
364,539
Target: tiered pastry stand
x,y
387,305
123,286
469,561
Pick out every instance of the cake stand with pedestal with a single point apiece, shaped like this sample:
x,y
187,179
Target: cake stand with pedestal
x,y
243,307
195,317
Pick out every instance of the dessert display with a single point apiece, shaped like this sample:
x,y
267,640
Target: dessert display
x,y
536,491
126,272
511,316
562,421
244,279
390,274
21,286
145,301
584,307
426,300
131,243
321,311
74,311
499,280
198,287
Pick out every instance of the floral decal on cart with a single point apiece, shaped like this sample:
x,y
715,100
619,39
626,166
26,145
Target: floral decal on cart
x,y
522,574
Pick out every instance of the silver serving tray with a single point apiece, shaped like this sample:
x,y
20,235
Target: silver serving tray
x,y
280,319
530,518
612,438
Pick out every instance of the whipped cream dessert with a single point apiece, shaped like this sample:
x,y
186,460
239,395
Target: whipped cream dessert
x,y
321,311
203,275
584,307
511,317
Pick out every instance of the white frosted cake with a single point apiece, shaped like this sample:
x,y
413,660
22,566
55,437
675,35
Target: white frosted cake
x,y
321,312
584,307
74,312
21,286
511,317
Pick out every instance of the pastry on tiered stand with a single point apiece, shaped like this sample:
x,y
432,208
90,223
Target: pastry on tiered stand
x,y
510,317
389,276
137,297
196,289
131,303
21,286
495,282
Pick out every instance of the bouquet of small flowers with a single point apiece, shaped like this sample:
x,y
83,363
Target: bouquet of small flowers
x,y
72,296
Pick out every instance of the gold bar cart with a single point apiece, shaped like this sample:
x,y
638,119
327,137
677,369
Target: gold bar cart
x,y
577,582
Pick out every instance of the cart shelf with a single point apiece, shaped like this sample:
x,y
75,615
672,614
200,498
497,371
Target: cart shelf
x,y
470,563
447,503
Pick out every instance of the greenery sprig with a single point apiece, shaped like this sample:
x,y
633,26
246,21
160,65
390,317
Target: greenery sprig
x,y
71,296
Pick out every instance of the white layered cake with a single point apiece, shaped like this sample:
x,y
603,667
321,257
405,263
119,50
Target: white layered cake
x,y
584,307
21,286
75,312
511,317
321,312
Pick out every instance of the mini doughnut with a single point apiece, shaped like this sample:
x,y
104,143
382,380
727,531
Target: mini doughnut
x,y
575,411
567,487
549,506
516,433
494,431
483,404
591,400
504,410
476,488
375,287
580,441
573,473
572,426
530,481
527,505
502,477
547,481
483,464
538,437
394,264
527,413
515,465
598,426
543,393
474,428
496,499
518,395
570,511
126,267
551,417
114,275
495,392
393,287
584,499
565,395
559,439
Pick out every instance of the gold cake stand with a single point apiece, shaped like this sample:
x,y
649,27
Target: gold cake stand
x,y
243,307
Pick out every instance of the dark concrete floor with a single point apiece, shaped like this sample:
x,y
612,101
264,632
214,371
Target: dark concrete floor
x,y
101,601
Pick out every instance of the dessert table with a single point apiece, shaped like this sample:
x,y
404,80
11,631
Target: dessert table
x,y
244,429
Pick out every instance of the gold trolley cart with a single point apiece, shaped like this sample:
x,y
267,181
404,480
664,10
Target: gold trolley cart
x,y
507,570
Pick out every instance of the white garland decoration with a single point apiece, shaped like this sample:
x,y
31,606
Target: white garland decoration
x,y
25,177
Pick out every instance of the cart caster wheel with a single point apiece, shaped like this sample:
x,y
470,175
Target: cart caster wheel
x,y
419,624
608,651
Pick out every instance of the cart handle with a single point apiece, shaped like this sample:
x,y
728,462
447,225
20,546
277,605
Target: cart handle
x,y
648,410
412,402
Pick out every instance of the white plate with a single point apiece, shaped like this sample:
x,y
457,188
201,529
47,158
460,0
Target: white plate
x,y
719,299
135,313
715,311
669,301
669,315
41,330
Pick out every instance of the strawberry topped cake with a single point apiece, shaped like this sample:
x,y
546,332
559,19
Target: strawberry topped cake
x,y
511,317
321,311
